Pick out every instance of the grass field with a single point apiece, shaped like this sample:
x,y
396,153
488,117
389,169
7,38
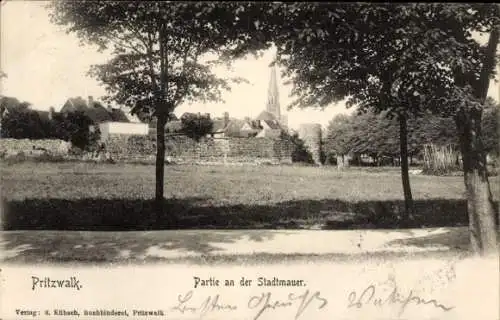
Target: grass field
x,y
90,196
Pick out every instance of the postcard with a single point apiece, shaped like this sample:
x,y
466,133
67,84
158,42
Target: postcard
x,y
245,161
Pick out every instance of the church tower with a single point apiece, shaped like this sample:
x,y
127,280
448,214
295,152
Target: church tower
x,y
273,103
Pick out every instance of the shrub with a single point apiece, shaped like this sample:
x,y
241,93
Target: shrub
x,y
77,128
22,124
440,160
196,126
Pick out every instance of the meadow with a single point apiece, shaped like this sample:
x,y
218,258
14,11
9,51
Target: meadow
x,y
96,196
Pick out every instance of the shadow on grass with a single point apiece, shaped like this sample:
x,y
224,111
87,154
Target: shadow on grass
x,y
44,217
199,213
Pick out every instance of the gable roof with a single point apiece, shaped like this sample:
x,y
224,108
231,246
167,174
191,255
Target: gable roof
x,y
97,112
117,115
273,124
266,115
219,125
74,104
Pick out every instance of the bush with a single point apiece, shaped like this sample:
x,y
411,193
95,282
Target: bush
x,y
77,128
440,160
22,124
196,126
300,152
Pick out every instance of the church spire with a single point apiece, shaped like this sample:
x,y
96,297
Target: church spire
x,y
273,103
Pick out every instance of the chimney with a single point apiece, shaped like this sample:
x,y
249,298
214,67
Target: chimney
x,y
226,119
52,112
91,101
109,108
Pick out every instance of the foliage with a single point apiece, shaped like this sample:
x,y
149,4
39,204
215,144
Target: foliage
x,y
11,103
300,152
162,52
490,128
77,128
377,135
382,57
195,125
440,160
22,124
363,52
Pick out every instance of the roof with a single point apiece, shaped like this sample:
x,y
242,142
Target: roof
x,y
219,125
127,113
232,129
266,115
9,103
273,124
74,104
97,112
117,115
43,115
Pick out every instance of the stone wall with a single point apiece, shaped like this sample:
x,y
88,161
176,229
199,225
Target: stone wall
x,y
28,146
182,149
179,149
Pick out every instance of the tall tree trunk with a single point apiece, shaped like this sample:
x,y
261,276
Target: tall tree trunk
x,y
160,160
405,178
162,111
480,206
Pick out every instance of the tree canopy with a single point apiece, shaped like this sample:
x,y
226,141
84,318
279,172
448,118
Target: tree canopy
x,y
162,52
195,125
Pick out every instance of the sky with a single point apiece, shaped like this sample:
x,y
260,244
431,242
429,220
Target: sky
x,y
45,66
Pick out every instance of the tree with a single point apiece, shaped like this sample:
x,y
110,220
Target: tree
x,y
490,127
339,133
300,152
376,56
22,123
370,134
469,99
398,58
161,52
76,128
196,126
10,103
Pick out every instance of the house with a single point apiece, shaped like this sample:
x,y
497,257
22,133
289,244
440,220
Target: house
x,y
226,127
111,121
92,109
9,104
270,125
